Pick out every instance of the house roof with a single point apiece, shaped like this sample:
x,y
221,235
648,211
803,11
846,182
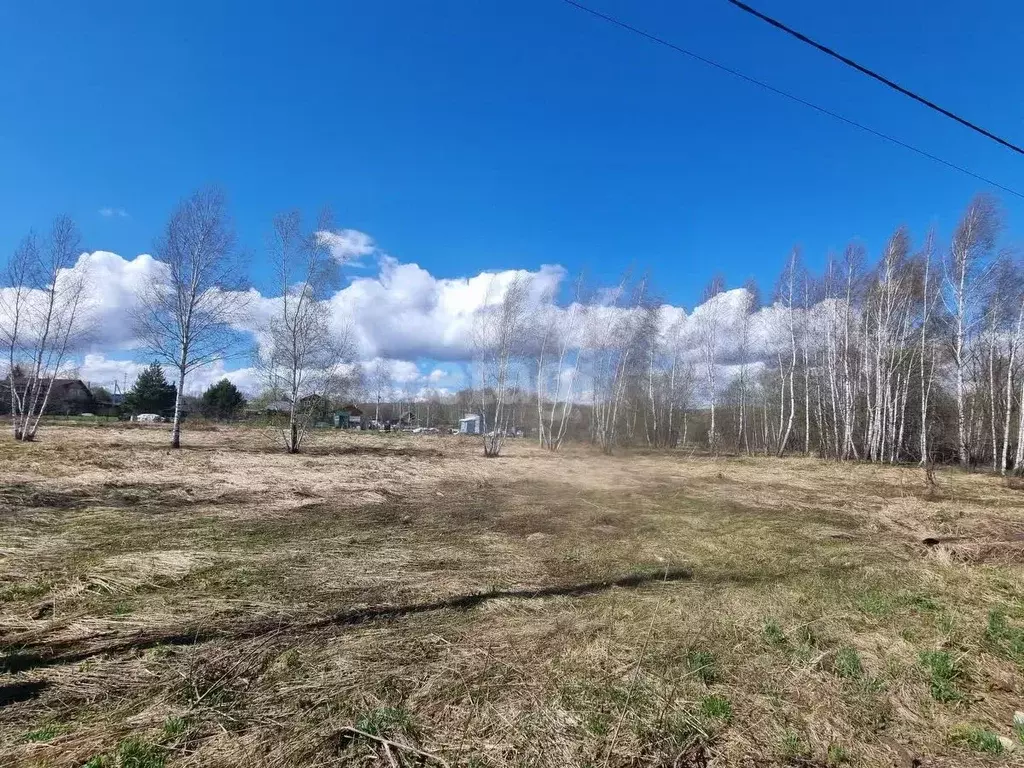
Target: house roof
x,y
60,386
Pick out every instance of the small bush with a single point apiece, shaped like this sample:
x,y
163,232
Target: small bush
x,y
945,674
702,665
977,739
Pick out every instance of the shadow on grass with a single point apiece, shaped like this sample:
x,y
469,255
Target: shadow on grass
x,y
28,657
15,692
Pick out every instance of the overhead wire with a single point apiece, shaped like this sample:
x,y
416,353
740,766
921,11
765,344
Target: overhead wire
x,y
875,75
785,94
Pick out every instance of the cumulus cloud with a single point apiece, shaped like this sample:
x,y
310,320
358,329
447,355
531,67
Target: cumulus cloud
x,y
113,213
404,312
99,370
421,324
347,245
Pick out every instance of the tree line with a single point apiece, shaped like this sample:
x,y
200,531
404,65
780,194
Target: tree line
x,y
913,356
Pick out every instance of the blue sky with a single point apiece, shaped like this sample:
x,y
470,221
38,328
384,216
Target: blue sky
x,y
487,135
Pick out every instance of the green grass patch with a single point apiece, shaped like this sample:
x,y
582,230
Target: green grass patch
x,y
945,675
1004,638
836,756
846,664
702,665
175,727
384,720
130,753
921,602
875,603
45,733
24,591
879,602
977,739
715,707
795,747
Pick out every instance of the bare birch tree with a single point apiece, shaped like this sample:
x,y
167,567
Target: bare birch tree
x,y
966,267
301,352
44,314
379,377
927,353
708,320
188,315
1011,336
499,342
558,360
787,296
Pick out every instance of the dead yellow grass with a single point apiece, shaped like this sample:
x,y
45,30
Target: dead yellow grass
x,y
383,599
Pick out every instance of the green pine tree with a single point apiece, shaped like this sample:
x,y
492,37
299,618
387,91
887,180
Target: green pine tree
x,y
222,401
151,393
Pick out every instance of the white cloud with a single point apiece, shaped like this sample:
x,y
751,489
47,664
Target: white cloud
x,y
347,245
113,213
405,312
100,370
405,315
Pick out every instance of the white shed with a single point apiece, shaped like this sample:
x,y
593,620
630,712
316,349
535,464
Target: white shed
x,y
471,424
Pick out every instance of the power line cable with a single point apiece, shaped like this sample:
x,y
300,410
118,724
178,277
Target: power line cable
x,y
880,78
791,97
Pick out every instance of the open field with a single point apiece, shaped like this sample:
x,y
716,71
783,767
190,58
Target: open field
x,y
397,600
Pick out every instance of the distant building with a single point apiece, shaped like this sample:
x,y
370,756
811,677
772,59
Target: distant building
x,y
349,417
471,424
68,397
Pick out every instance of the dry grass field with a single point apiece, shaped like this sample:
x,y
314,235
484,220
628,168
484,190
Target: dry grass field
x,y
400,600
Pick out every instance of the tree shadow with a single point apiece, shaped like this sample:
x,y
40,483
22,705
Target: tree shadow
x,y
32,656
